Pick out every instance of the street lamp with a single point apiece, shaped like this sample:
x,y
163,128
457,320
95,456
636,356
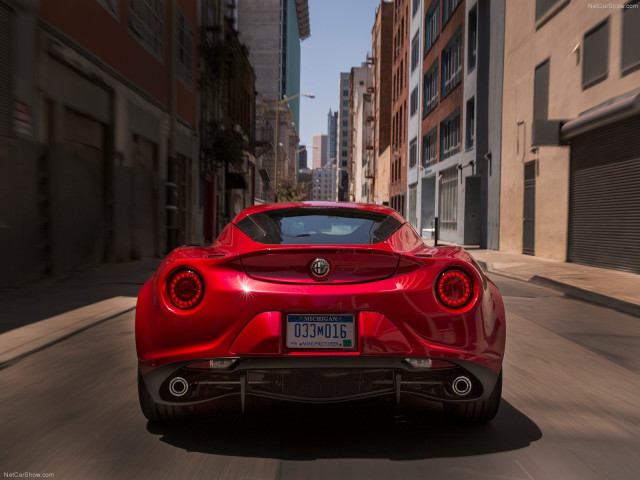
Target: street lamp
x,y
276,143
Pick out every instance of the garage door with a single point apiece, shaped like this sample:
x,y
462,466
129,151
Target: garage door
x,y
604,202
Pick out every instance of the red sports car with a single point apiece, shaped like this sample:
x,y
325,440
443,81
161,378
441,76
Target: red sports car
x,y
319,302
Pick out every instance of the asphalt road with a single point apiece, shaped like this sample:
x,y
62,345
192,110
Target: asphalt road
x,y
571,410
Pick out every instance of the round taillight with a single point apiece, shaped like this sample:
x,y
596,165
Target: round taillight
x,y
454,289
185,289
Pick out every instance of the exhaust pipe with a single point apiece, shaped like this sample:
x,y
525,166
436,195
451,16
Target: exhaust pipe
x,y
461,386
178,387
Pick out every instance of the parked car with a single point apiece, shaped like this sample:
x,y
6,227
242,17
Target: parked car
x,y
319,302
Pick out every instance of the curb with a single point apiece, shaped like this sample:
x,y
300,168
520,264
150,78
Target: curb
x,y
573,291
588,296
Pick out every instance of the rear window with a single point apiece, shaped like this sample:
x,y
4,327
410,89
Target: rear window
x,y
317,225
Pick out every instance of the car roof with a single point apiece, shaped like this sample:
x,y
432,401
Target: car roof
x,y
266,207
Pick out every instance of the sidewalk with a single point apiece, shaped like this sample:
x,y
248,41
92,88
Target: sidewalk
x,y
609,288
42,313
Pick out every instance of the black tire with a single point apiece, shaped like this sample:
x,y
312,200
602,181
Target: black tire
x,y
478,411
156,412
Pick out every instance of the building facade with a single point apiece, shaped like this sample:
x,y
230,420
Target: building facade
x,y
380,133
342,147
320,154
273,30
571,114
332,135
399,98
360,148
324,181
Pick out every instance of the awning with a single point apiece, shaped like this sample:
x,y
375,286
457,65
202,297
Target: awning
x,y
612,111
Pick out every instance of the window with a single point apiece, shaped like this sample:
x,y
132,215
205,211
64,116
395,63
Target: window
x,y
185,35
595,62
146,20
448,199
430,148
448,7
414,101
472,39
631,36
345,113
416,4
345,103
345,93
544,6
431,25
541,91
430,89
345,82
450,135
452,63
415,51
413,153
345,123
471,124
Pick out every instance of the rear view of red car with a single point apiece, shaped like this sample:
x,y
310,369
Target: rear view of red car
x,y
319,302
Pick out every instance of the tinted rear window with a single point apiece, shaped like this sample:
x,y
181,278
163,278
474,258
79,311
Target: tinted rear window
x,y
317,225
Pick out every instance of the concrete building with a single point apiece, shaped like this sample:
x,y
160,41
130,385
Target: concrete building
x,y
324,181
88,173
273,30
342,177
320,154
570,121
380,133
399,113
360,148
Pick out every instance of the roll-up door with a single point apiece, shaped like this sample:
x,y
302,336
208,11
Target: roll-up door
x,y
604,203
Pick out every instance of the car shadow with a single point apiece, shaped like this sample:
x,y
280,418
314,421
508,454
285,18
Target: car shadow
x,y
355,430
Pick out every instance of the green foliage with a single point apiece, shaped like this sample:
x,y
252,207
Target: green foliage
x,y
289,191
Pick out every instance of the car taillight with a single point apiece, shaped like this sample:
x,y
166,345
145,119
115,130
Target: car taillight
x,y
454,289
185,289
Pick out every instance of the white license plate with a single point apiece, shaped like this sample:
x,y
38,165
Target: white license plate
x,y
320,331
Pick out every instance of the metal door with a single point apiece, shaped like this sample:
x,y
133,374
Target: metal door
x,y
528,221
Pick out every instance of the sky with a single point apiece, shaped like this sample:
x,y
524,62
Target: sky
x,y
340,39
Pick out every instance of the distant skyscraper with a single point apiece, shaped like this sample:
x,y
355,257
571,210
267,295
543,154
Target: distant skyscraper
x,y
342,145
320,152
302,157
272,30
332,133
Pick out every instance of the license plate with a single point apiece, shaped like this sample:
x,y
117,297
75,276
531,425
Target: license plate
x,y
320,331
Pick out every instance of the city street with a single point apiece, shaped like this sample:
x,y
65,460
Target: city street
x,y
571,410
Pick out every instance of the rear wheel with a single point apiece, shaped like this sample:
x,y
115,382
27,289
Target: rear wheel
x,y
156,412
478,411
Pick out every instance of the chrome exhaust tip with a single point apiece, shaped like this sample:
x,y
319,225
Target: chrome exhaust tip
x,y
461,386
178,387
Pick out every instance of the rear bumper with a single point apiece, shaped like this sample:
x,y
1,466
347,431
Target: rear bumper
x,y
319,379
